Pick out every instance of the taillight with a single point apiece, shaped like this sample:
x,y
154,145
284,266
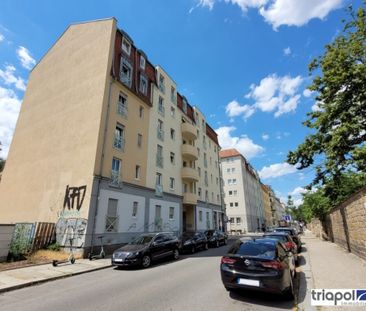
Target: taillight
x,y
290,245
272,264
228,260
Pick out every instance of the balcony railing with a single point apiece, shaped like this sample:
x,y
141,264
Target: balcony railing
x,y
115,177
119,143
122,110
159,190
190,198
161,110
111,224
189,131
160,134
159,161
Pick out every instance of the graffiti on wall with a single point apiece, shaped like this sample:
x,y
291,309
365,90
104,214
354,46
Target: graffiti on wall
x,y
73,229
74,197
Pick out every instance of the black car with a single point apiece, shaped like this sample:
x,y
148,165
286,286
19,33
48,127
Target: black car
x,y
216,237
292,232
286,240
192,241
146,248
259,264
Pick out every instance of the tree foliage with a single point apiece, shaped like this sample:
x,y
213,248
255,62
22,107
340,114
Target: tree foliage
x,y
337,143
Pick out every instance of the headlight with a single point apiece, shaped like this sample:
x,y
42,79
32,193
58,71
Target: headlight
x,y
131,255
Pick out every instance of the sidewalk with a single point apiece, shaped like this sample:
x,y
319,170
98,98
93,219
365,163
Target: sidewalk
x,y
328,266
22,277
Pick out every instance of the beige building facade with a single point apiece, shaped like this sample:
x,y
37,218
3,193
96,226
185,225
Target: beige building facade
x,y
105,144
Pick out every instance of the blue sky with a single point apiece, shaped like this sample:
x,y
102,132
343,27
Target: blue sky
x,y
244,63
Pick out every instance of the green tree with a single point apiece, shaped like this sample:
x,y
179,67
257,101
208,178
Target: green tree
x,y
2,161
337,143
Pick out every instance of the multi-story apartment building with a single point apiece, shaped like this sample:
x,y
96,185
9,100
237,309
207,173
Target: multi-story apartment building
x,y
266,205
243,193
105,145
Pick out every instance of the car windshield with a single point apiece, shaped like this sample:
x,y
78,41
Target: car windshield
x,y
281,238
255,249
209,233
142,240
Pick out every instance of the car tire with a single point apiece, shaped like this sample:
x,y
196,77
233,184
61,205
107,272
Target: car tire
x,y
146,261
176,254
217,243
206,246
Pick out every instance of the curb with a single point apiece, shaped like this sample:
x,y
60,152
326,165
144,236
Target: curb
x,y
31,283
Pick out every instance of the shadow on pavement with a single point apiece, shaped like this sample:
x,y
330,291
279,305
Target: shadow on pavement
x,y
260,298
301,287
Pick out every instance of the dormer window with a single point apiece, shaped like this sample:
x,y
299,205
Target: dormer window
x,y
126,46
184,106
142,62
162,83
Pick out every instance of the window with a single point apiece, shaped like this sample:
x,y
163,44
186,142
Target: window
x,y
215,148
115,172
139,140
173,97
122,105
172,158
184,105
198,134
160,130
217,198
232,220
159,156
141,112
119,141
126,46
229,181
203,124
137,171
230,192
234,181
199,151
204,159
171,213
171,183
162,83
212,196
111,221
228,170
158,179
200,215
211,179
134,209
172,112
199,171
158,220
217,180
235,192
204,142
206,196
172,134
125,73
236,204
206,179
143,85
238,220
161,108
232,169
199,192
231,204
142,62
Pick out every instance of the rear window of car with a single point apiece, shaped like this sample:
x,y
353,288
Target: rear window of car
x,y
255,249
290,231
281,238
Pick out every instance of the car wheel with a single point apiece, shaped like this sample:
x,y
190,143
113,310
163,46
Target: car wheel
x,y
206,246
146,261
176,254
217,243
193,250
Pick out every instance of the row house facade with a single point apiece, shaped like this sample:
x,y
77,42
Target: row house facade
x,y
105,145
243,193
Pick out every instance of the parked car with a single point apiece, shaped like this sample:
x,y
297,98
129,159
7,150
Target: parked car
x,y
192,241
286,240
258,264
147,248
292,233
216,237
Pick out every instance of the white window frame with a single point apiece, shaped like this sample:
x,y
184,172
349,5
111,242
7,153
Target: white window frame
x,y
126,46
143,87
142,62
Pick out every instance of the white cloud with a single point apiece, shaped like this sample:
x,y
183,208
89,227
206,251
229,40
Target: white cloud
x,y
265,136
296,13
9,111
1,37
25,58
283,12
276,170
287,51
234,109
243,143
297,191
9,78
298,202
307,93
276,94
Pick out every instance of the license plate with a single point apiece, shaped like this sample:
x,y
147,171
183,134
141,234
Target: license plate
x,y
118,260
248,282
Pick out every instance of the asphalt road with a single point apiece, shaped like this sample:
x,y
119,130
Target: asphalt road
x,y
191,283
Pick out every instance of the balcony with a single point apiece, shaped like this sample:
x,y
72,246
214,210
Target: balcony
x,y
122,110
160,134
190,198
115,178
189,131
159,190
190,152
189,174
119,142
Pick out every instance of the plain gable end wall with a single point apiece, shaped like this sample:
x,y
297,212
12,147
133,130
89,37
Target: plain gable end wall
x,y
56,136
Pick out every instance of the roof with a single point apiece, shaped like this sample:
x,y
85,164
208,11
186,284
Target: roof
x,y
228,153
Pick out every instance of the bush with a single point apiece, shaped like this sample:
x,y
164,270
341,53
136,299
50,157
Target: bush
x,y
54,247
